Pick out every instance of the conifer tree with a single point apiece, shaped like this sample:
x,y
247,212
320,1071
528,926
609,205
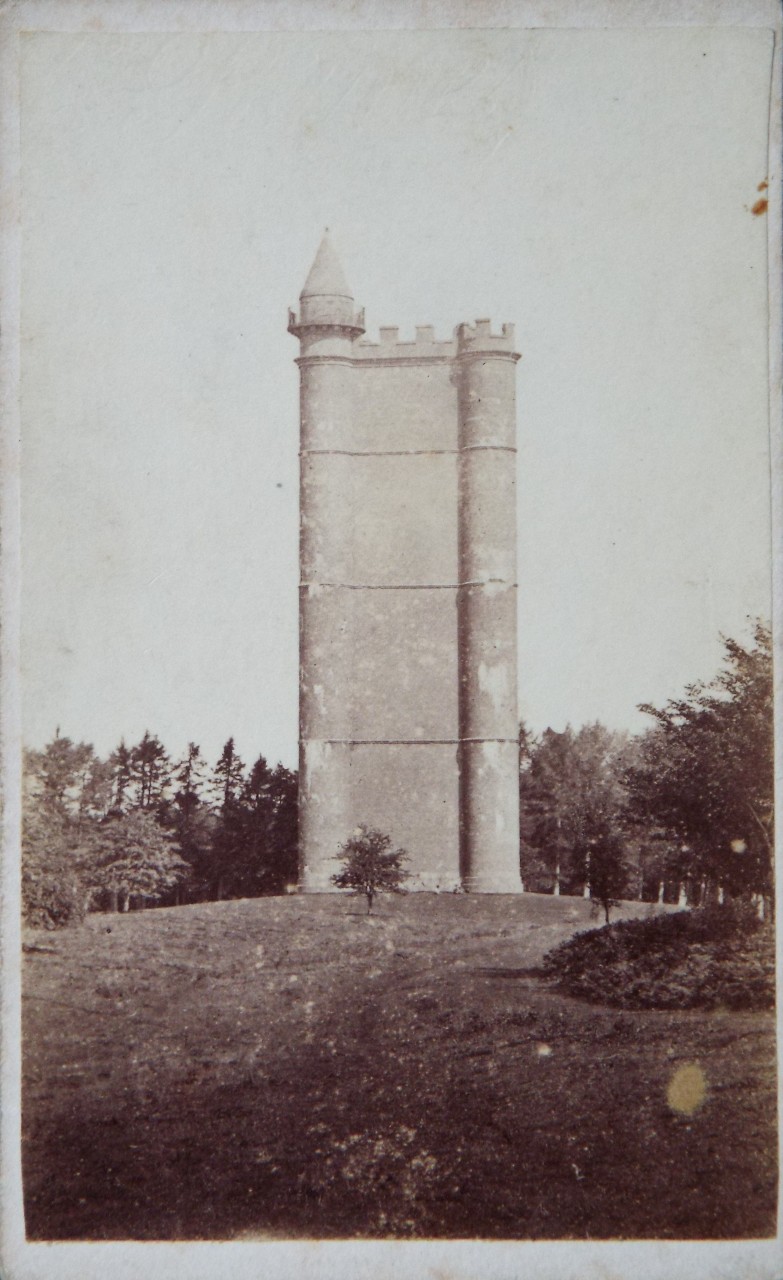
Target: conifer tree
x,y
121,766
258,823
227,844
190,817
150,772
284,844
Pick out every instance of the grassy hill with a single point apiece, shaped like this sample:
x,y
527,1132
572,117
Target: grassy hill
x,y
290,1067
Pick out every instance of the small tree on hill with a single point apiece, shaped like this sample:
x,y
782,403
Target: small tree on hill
x,y
371,865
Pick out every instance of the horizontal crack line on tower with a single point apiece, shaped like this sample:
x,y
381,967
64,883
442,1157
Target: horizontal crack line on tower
x,y
408,453
404,742
381,453
374,361
499,448
409,586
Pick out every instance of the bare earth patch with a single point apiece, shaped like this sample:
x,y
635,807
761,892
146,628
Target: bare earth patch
x,y
289,1067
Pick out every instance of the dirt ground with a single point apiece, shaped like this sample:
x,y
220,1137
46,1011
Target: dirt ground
x,y
289,1067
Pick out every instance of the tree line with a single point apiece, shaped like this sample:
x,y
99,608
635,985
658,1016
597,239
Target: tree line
x,y
140,828
680,813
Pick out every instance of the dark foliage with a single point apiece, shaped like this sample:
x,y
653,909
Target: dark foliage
x,y
135,830
711,958
705,773
572,808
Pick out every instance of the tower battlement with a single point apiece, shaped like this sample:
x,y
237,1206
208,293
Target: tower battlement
x,y
391,347
479,338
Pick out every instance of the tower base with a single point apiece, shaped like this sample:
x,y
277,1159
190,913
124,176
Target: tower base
x,y
496,884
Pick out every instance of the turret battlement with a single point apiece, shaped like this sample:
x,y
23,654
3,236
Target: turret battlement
x,y
479,338
322,313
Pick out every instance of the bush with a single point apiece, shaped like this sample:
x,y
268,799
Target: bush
x,y
711,958
52,900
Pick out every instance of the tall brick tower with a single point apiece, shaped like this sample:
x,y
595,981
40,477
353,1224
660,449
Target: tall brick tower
x,y
408,695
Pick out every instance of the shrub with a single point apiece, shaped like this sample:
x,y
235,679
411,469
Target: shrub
x,y
51,898
715,957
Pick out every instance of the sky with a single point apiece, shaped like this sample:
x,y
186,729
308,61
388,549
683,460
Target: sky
x,y
593,187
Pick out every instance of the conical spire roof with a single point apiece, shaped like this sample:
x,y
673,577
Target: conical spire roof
x,y
326,274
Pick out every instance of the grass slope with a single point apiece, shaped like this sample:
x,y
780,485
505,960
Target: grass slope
x,y
289,1067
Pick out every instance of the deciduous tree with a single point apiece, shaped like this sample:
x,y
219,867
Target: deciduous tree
x,y
371,865
571,806
133,856
706,773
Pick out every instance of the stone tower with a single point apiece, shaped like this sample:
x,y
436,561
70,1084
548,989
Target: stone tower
x,y
408,697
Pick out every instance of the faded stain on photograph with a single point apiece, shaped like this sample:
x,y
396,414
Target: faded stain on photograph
x,y
397,855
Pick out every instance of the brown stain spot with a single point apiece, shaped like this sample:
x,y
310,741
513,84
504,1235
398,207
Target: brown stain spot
x,y
687,1089
762,185
760,207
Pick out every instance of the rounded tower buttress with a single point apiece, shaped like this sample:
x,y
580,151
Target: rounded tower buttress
x,y
489,748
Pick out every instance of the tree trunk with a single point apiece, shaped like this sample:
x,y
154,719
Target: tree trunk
x,y
114,900
556,890
682,897
721,895
661,890
370,896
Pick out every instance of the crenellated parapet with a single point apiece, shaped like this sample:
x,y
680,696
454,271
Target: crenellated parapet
x,y
479,340
425,346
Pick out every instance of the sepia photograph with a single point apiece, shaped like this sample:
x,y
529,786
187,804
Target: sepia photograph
x,y
391,471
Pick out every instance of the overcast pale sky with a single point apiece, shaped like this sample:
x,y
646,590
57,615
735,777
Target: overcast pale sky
x,y
593,187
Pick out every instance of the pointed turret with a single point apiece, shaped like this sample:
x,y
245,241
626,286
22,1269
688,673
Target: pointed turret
x,y
326,278
326,299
